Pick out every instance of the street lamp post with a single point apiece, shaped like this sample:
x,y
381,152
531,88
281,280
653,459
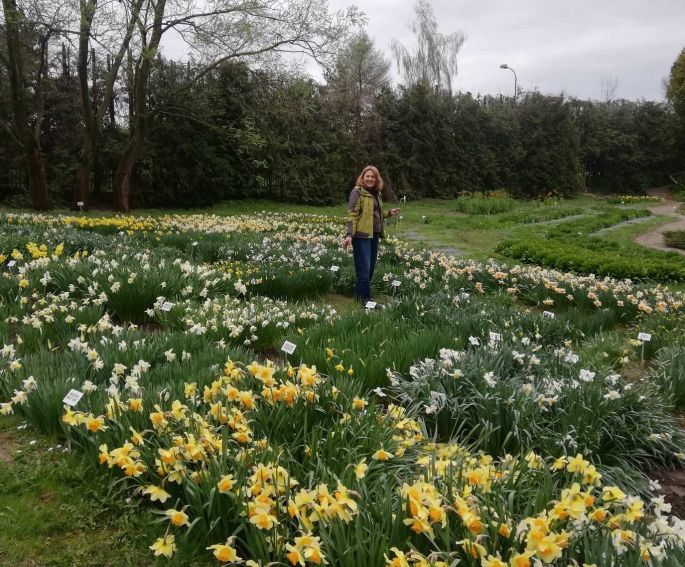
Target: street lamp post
x,y
505,66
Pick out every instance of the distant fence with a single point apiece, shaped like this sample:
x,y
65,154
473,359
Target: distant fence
x,y
13,181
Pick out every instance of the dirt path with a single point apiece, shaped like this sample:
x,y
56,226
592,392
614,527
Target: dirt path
x,y
655,238
7,447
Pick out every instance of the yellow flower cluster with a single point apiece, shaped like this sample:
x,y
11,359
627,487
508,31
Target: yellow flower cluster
x,y
35,251
129,224
320,505
306,548
411,559
91,422
544,536
41,251
237,269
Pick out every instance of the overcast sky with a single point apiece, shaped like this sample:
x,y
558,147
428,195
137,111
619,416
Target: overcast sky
x,y
554,45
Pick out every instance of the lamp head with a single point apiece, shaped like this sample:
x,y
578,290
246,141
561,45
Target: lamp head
x,y
504,66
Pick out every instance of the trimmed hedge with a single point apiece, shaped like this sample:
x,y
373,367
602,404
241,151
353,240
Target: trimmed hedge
x,y
606,259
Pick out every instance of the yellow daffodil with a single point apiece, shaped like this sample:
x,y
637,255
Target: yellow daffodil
x,y
156,493
177,517
382,455
164,546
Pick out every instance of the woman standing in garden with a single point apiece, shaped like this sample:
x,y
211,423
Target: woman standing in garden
x,y
365,228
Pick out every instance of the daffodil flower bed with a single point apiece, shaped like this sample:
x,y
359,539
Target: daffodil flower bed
x,y
228,469
476,420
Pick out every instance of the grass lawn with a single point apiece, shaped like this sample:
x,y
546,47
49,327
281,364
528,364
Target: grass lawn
x,y
56,509
436,223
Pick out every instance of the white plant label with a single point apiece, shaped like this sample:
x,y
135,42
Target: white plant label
x,y
548,314
166,306
396,283
644,337
79,203
370,305
335,268
495,337
11,263
288,347
72,398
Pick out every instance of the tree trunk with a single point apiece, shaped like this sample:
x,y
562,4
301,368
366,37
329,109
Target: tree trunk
x,y
82,189
122,177
93,116
25,132
139,124
37,179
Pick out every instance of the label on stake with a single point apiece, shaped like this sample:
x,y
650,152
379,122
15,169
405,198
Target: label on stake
x,y
495,337
645,337
288,347
166,306
335,268
548,314
72,398
396,283
11,263
79,203
370,305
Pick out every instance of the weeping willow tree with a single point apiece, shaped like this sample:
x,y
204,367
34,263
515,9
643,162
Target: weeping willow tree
x,y
434,61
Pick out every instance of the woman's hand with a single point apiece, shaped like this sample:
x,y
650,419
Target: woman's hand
x,y
346,243
394,212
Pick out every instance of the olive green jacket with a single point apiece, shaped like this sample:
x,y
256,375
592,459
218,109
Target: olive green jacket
x,y
360,215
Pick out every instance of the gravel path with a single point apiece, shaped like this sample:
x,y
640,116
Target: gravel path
x,y
415,236
655,238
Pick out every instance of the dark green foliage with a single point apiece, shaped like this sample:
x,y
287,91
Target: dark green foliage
x,y
670,375
549,165
571,246
675,238
626,146
472,205
235,132
588,256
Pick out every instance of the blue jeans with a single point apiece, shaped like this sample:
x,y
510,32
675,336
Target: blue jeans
x,y
365,252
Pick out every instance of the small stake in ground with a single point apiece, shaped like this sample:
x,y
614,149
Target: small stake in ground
x,y
643,338
288,348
